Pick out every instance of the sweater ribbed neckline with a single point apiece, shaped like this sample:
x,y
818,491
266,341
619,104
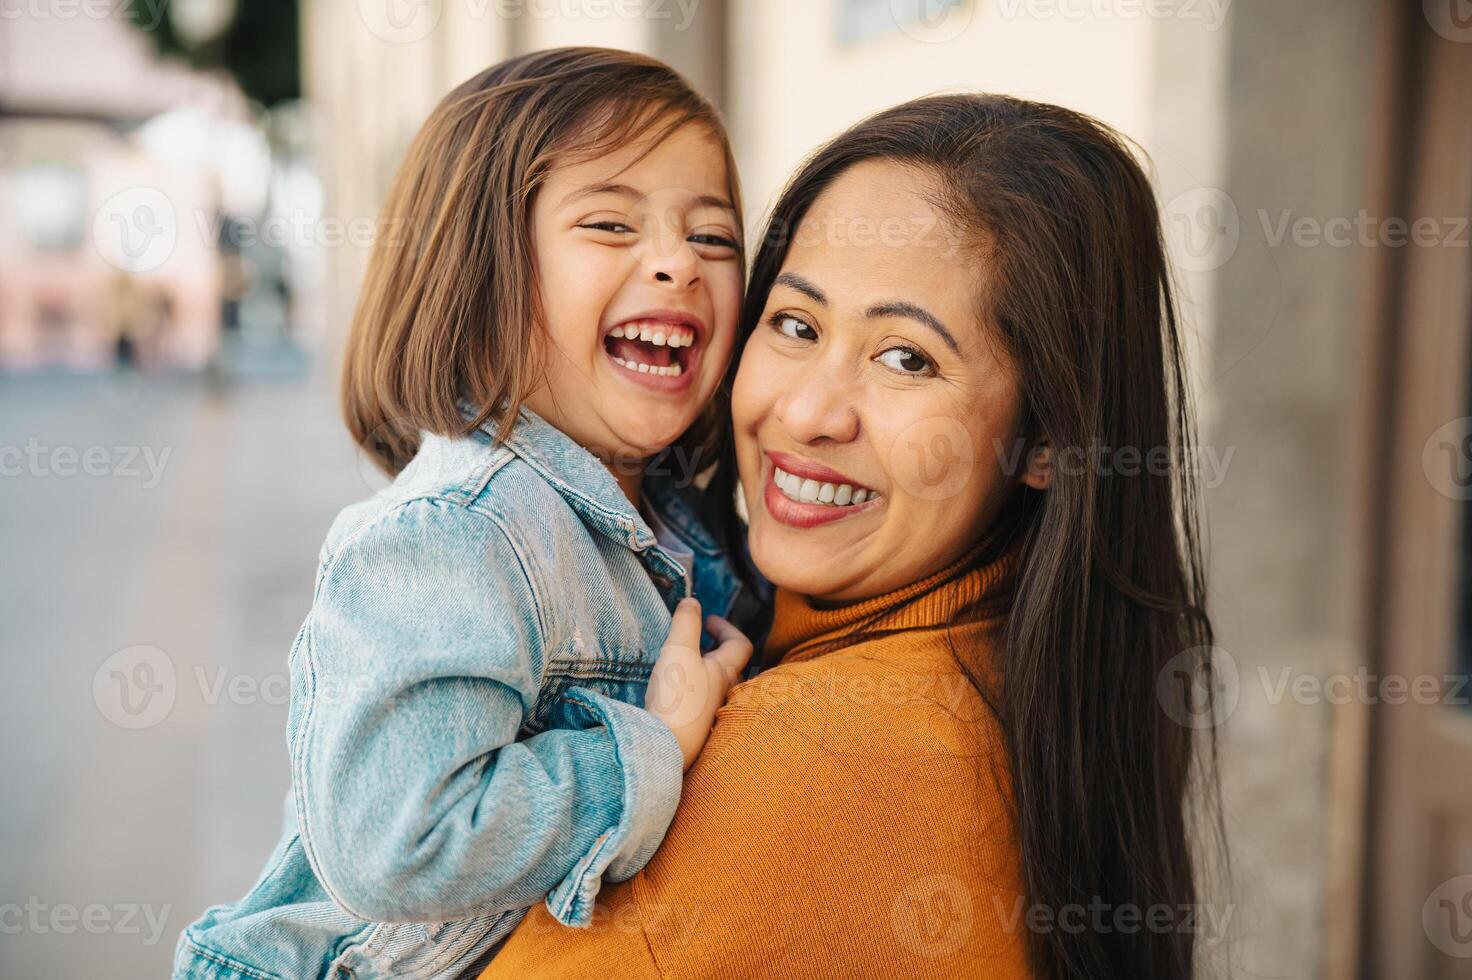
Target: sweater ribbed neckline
x,y
801,630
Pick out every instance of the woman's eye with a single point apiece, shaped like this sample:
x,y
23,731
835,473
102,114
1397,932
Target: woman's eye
x,y
905,360
793,328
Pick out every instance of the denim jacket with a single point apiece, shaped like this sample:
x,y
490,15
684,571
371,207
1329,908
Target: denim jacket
x,y
465,725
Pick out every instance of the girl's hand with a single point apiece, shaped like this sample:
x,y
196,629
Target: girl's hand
x,y
686,688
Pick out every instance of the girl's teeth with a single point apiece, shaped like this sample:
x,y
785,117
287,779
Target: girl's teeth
x,y
659,334
666,370
814,492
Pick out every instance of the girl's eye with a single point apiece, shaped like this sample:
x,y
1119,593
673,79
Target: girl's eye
x,y
616,227
717,241
906,361
792,328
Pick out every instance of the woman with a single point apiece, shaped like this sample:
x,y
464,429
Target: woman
x,y
959,764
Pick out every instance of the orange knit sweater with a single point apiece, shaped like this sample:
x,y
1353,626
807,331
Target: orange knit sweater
x,y
848,817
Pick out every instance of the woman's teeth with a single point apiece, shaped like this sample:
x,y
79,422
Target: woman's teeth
x,y
655,332
672,370
814,492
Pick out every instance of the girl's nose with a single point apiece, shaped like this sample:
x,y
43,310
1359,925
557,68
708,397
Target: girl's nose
x,y
676,274
670,259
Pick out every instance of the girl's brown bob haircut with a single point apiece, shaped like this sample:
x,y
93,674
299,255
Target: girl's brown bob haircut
x,y
450,302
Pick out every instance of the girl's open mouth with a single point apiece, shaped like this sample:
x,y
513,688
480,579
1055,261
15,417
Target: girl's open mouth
x,y
658,349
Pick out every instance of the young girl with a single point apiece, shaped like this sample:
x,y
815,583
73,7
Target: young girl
x,y
546,320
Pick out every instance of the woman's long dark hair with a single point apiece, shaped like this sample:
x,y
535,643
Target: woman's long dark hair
x,y
1109,591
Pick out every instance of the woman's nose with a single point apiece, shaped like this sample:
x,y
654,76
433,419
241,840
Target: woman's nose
x,y
819,404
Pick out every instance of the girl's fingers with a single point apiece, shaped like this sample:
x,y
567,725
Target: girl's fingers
x,y
733,649
685,626
722,630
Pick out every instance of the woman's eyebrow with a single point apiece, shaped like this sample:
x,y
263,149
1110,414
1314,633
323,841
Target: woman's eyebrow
x,y
634,194
794,281
917,313
892,308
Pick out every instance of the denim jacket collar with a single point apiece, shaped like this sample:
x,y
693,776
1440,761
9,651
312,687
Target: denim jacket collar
x,y
579,476
678,511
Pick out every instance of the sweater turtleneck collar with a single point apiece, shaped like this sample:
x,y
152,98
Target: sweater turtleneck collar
x,y
801,630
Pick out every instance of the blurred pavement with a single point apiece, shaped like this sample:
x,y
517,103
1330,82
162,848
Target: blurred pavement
x,y
131,803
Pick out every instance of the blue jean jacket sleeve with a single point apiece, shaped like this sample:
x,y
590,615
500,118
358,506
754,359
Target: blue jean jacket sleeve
x,y
424,654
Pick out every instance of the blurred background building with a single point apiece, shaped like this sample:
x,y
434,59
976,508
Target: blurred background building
x,y
188,196
149,201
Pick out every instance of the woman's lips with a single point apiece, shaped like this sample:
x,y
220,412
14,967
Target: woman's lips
x,y
801,514
807,469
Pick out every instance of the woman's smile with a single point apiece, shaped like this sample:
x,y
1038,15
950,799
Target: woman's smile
x,y
801,493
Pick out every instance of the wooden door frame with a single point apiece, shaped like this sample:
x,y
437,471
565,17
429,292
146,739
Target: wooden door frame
x,y
1413,379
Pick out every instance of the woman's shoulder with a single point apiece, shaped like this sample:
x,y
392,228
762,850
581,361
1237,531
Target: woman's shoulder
x,y
879,710
864,777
